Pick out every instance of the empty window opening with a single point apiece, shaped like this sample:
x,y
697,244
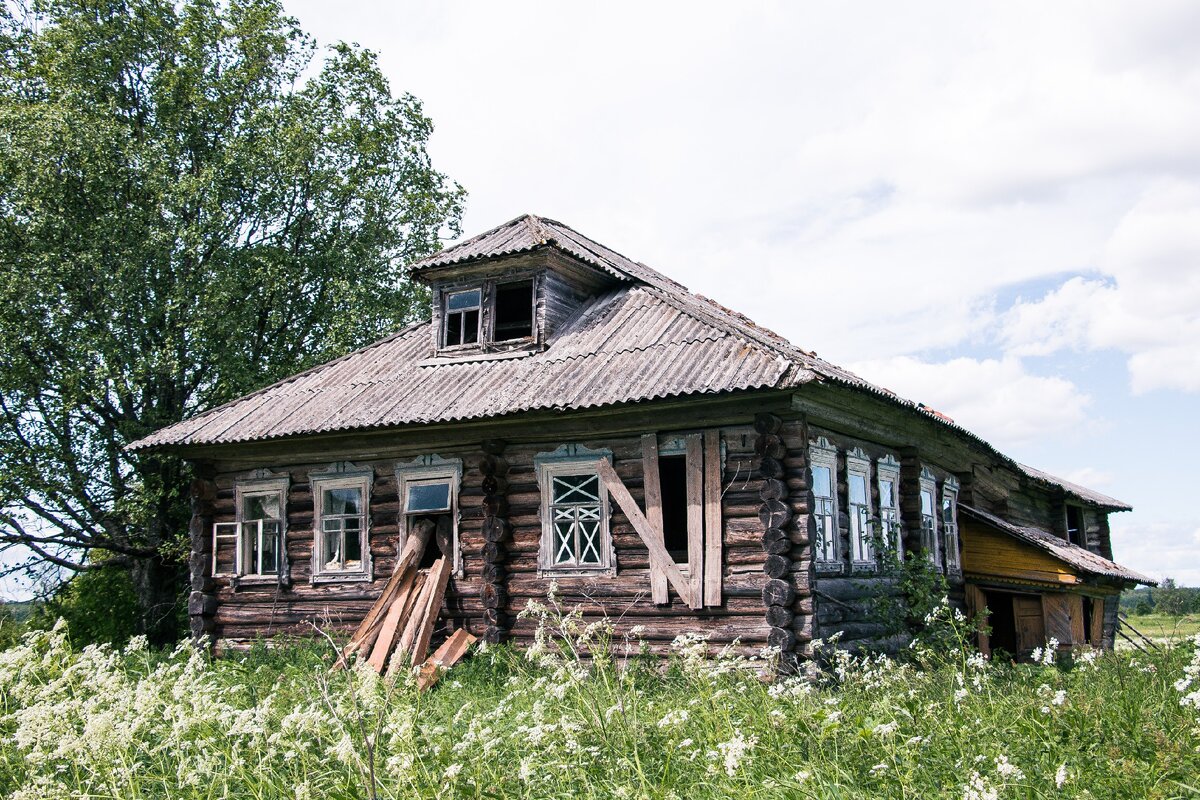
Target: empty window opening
x,y
1075,530
514,311
462,317
672,476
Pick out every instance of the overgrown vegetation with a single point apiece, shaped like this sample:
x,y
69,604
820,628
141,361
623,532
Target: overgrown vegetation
x,y
1168,599
582,716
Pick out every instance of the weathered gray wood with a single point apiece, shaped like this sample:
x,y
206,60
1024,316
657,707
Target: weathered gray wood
x,y
713,524
653,493
695,517
634,514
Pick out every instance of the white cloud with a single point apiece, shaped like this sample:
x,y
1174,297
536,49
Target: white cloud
x,y
1149,309
996,399
1157,548
1090,477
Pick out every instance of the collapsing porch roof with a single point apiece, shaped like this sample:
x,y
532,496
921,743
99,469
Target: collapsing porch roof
x,y
1074,556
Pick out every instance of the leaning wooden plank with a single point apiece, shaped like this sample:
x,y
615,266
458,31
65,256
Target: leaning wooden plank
x,y
412,610
695,517
439,576
364,635
713,524
445,657
658,553
392,624
653,486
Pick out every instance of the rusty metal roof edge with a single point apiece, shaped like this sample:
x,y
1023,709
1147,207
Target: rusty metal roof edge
x,y
1026,534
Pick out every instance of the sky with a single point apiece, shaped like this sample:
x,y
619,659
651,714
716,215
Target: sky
x,y
991,209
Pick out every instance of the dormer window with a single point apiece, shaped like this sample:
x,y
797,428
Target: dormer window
x,y
492,312
462,317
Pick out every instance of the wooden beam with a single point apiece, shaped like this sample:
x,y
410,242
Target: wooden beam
x,y
695,517
713,524
445,657
653,485
390,629
612,482
439,577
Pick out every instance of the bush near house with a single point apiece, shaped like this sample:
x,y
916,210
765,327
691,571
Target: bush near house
x,y
581,716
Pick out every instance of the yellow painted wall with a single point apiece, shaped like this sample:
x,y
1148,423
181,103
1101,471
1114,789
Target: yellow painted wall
x,y
989,552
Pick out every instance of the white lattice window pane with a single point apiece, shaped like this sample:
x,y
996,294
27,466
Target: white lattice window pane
x,y
564,542
589,542
576,489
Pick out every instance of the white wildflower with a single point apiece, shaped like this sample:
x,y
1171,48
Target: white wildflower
x,y
1007,769
1060,777
452,771
885,728
735,751
673,718
1060,697
978,788
878,768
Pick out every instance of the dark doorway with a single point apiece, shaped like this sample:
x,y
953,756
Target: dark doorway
x,y
1001,621
672,476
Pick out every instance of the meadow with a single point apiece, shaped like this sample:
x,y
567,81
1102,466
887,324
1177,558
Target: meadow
x,y
582,715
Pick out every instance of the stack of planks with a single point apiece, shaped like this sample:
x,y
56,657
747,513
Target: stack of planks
x,y
399,626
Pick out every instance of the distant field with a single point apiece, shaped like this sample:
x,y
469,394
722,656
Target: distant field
x,y
1161,626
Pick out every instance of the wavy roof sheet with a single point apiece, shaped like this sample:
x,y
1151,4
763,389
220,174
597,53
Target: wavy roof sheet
x,y
1071,554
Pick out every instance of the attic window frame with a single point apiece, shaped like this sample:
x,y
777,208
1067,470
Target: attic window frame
x,y
486,338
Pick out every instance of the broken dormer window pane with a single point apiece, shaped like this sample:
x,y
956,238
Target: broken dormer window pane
x,y
514,311
462,318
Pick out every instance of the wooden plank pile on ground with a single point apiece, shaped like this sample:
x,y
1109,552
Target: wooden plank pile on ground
x,y
399,626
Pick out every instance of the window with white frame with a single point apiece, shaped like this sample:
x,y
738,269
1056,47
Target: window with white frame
x,y
929,540
341,525
461,317
252,547
858,498
428,488
575,514
888,470
950,524
823,459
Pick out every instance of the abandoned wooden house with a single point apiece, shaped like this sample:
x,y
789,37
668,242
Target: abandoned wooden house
x,y
570,415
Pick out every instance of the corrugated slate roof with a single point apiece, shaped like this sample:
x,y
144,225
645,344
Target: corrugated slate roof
x,y
1080,492
1071,554
629,345
649,338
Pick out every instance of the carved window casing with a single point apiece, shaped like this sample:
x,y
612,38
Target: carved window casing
x,y
950,525
576,539
341,524
428,486
253,548
929,537
823,460
858,500
892,532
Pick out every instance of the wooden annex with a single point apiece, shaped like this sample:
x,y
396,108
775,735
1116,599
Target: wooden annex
x,y
570,415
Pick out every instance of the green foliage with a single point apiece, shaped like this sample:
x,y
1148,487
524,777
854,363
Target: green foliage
x,y
12,626
582,715
190,208
911,591
1167,598
99,606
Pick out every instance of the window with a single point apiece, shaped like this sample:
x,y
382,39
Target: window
x,y
488,313
929,542
514,311
824,474
858,495
428,488
461,318
340,538
672,476
261,526
889,504
575,531
252,547
1076,533
950,524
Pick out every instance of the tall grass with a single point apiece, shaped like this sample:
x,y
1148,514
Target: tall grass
x,y
581,715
